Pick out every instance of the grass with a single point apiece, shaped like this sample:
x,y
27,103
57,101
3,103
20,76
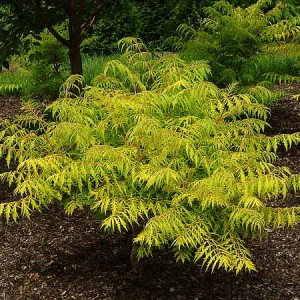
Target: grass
x,y
20,81
13,81
92,66
281,60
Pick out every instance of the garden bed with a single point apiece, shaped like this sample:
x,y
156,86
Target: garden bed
x,y
55,256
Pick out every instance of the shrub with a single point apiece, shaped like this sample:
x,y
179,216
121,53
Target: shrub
x,y
233,37
156,147
46,64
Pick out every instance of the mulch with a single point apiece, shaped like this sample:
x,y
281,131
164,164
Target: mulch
x,y
55,256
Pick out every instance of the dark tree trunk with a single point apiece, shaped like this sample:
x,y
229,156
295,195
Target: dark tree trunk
x,y
75,58
75,31
78,27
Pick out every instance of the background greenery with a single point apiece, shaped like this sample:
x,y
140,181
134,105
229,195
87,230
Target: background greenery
x,y
249,44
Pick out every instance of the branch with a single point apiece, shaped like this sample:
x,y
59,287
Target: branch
x,y
45,22
58,36
87,25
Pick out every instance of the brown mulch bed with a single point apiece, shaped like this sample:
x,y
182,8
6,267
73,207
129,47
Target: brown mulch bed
x,y
55,256
9,107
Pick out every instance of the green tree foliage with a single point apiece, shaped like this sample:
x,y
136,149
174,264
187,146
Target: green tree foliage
x,y
32,16
42,67
151,20
6,51
45,63
156,146
229,36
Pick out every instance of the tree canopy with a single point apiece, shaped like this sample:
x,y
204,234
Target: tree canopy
x,y
151,20
24,17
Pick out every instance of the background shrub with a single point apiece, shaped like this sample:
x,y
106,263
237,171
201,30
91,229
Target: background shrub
x,y
234,40
46,62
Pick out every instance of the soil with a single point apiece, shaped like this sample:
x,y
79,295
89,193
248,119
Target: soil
x,y
55,256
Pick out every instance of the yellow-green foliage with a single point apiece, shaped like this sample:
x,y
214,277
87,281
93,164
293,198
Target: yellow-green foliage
x,y
9,88
156,145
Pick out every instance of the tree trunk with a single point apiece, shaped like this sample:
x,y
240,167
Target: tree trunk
x,y
75,58
78,28
75,22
